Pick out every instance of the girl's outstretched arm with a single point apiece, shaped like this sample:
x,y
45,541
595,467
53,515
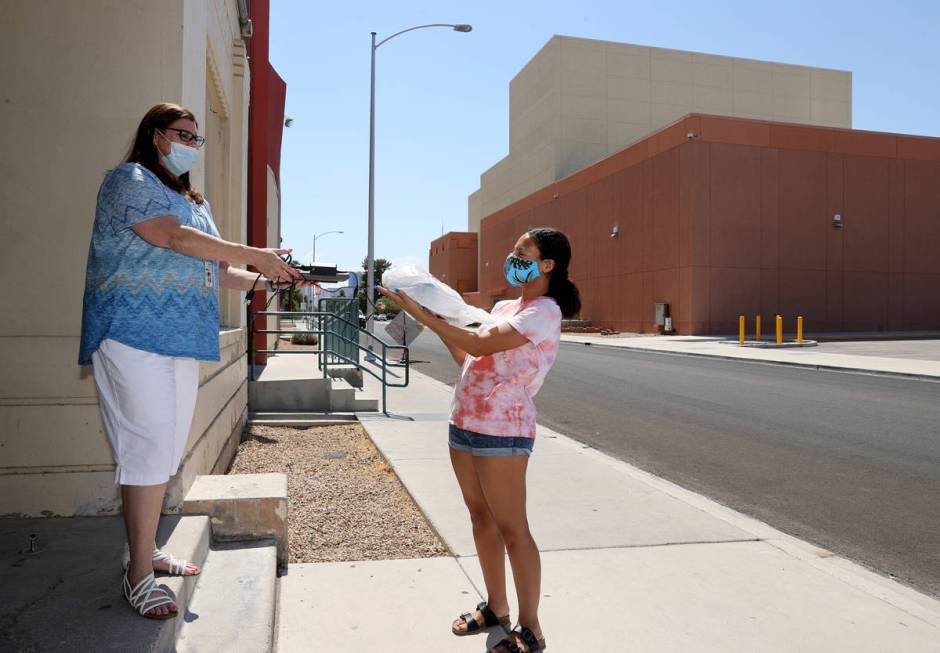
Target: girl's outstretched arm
x,y
499,338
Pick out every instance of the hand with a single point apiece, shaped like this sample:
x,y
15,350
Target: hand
x,y
406,303
269,263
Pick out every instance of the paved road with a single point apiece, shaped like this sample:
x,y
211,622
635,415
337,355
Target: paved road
x,y
849,462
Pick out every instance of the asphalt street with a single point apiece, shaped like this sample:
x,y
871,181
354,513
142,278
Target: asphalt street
x,y
848,462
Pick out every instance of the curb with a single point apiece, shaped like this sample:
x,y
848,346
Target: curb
x,y
811,366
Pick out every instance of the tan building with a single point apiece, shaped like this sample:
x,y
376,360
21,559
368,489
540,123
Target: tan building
x,y
709,187
77,77
579,100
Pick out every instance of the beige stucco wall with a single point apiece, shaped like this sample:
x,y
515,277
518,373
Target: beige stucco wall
x,y
474,211
77,78
578,100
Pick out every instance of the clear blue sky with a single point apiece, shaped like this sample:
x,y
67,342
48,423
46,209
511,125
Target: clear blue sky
x,y
443,97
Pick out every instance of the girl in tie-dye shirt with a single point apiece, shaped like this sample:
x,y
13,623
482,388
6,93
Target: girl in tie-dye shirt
x,y
492,424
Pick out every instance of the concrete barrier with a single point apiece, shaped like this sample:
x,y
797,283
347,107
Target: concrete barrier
x,y
243,507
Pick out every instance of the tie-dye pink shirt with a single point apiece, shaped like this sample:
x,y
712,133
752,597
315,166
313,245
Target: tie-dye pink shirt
x,y
493,395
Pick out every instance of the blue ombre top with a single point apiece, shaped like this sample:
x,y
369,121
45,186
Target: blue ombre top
x,y
147,297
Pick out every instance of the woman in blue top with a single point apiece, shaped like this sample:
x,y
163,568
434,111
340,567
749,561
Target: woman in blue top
x,y
151,313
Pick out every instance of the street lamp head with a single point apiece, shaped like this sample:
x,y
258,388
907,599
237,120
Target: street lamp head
x,y
463,28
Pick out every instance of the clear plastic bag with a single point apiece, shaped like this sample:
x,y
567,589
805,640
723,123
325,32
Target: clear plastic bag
x,y
434,295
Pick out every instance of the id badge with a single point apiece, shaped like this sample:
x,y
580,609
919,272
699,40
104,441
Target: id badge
x,y
209,275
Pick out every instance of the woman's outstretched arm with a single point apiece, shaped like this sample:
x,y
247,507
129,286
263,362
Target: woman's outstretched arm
x,y
167,232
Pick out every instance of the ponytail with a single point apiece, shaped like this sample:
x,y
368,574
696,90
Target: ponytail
x,y
554,245
565,294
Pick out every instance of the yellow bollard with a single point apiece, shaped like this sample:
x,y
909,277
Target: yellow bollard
x,y
757,330
799,329
741,330
779,330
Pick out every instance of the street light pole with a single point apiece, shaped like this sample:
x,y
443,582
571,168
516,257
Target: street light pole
x,y
370,263
313,256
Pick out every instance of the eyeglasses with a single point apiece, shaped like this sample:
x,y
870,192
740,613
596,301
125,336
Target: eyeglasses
x,y
187,136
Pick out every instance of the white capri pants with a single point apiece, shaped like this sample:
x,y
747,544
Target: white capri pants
x,y
147,404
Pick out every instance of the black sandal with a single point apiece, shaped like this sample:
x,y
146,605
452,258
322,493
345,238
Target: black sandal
x,y
533,645
489,620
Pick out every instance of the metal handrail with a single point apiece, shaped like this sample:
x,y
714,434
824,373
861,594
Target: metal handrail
x,y
382,362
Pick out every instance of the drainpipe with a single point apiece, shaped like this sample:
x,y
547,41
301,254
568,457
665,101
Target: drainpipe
x,y
247,28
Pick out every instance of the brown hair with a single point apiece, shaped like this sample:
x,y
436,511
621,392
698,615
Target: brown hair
x,y
554,245
144,152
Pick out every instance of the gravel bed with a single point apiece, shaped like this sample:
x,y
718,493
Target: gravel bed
x,y
344,501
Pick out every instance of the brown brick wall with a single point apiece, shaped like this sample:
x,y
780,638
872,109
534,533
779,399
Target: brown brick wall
x,y
738,220
453,260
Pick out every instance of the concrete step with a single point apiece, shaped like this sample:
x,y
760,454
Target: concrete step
x,y
234,606
242,507
300,419
351,374
287,395
346,398
186,538
333,395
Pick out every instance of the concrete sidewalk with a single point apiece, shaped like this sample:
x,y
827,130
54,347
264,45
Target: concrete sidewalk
x,y
918,359
630,562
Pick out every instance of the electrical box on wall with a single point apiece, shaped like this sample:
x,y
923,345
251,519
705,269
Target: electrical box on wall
x,y
663,320
662,312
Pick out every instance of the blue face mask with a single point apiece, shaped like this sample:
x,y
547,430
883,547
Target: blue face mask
x,y
181,159
519,270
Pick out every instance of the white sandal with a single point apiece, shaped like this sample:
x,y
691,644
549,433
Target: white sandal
x,y
175,566
142,598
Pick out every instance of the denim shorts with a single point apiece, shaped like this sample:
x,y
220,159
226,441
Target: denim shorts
x,y
489,445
